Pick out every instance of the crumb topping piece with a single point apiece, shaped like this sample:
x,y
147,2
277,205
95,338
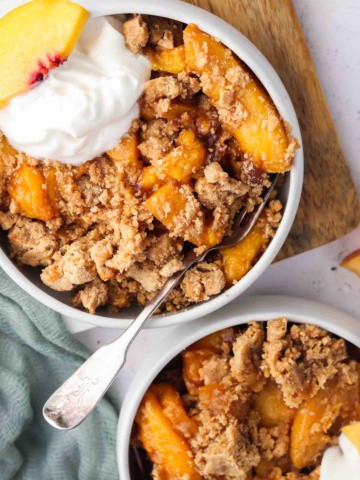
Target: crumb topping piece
x,y
244,390
136,33
301,360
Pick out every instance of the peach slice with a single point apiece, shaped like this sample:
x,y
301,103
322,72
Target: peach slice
x,y
35,38
29,190
174,409
171,61
6,148
192,362
353,434
127,157
310,431
166,205
261,133
270,405
52,186
239,259
151,179
166,447
352,262
185,159
175,111
212,398
217,342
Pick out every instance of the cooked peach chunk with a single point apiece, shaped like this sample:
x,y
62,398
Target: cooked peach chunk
x,y
252,117
167,448
35,38
210,236
314,419
215,341
171,61
200,48
6,148
212,397
185,159
151,179
270,405
266,466
239,259
174,410
263,135
166,204
353,434
127,156
52,186
352,262
192,362
28,189
175,111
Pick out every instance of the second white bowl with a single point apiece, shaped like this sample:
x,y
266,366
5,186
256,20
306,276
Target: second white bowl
x,y
262,308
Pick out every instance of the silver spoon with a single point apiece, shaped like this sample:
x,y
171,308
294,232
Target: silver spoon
x,y
70,405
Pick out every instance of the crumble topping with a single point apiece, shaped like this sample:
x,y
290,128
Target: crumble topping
x,y
230,454
245,364
94,295
164,33
31,242
202,281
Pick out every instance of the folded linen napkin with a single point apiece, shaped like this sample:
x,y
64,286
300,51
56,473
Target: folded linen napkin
x,y
37,354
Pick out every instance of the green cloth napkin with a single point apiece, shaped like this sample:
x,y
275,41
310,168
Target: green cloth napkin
x,y
37,354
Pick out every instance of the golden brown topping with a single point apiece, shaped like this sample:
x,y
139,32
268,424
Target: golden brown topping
x,y
202,281
94,295
301,360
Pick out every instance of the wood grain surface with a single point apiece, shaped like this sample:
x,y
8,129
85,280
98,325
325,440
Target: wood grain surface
x,y
329,206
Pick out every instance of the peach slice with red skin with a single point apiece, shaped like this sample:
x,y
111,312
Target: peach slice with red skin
x,y
36,38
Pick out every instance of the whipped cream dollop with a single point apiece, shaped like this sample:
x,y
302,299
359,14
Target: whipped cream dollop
x,y
341,462
84,106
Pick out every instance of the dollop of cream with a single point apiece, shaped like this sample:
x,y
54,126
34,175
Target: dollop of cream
x,y
84,106
341,462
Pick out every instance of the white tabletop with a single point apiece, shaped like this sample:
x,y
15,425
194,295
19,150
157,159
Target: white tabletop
x,y
332,29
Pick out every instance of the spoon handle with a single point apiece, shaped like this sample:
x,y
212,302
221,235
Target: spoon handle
x,y
70,405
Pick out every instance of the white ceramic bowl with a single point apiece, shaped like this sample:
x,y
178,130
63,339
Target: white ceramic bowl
x,y
29,278
261,308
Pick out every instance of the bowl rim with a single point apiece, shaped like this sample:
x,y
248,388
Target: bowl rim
x,y
255,60
258,308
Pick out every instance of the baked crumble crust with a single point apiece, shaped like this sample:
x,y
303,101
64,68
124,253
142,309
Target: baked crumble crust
x,y
302,360
102,243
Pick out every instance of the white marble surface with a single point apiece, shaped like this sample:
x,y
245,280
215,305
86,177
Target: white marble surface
x,y
332,28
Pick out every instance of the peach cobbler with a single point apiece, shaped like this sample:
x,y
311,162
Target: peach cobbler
x,y
113,229
261,401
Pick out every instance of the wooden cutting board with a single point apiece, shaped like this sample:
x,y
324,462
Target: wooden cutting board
x,y
329,206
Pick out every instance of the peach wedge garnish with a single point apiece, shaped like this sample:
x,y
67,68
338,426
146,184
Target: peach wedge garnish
x,y
352,262
353,433
35,38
